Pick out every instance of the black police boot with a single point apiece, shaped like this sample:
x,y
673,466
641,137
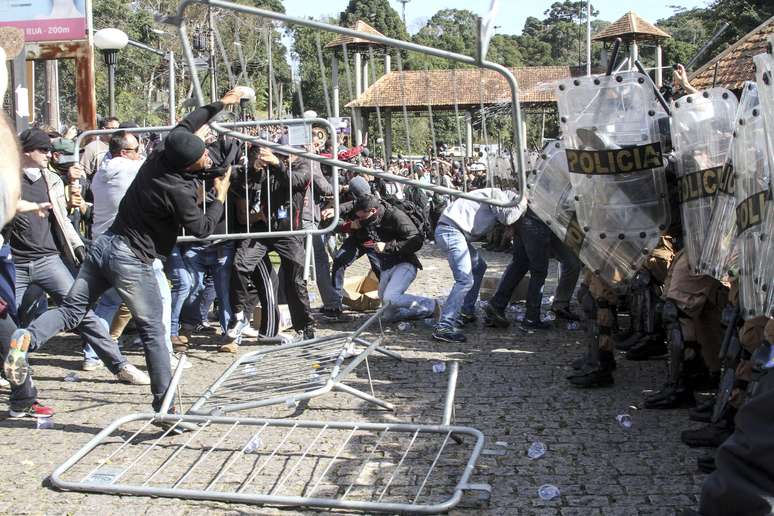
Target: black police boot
x,y
703,411
670,396
595,375
629,342
648,347
711,435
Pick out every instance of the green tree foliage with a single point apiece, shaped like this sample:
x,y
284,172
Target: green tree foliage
x,y
378,14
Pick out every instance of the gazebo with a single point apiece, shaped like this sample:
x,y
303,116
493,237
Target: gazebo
x,y
633,31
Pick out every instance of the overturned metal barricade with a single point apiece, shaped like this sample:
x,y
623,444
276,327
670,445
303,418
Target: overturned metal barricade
x,y
331,464
291,373
516,173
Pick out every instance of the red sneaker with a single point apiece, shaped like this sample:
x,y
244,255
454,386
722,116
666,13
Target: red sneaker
x,y
35,410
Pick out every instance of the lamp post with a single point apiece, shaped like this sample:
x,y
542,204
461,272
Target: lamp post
x,y
110,41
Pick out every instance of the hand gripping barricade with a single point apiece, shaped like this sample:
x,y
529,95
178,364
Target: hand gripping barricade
x,y
702,126
764,76
754,209
488,72
385,467
292,373
614,155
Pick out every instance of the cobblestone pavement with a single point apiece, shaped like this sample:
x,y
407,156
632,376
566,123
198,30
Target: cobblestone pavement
x,y
511,387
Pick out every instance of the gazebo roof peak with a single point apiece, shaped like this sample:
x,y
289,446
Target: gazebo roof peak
x,y
631,27
359,26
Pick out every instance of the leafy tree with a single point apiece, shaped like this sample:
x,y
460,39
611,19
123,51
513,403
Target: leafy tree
x,y
568,11
505,49
378,14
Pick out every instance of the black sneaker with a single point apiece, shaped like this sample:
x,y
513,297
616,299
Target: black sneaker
x,y
537,324
332,315
448,335
496,317
467,318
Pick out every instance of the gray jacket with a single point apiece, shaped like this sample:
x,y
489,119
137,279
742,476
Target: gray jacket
x,y
475,219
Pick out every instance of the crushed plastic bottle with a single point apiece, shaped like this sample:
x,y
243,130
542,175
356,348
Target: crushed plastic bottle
x,y
547,300
315,378
71,377
44,423
548,492
251,370
536,450
624,420
549,316
253,444
519,316
514,308
404,326
573,326
439,367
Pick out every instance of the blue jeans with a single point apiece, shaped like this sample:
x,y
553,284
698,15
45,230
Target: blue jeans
x,y
52,275
182,281
393,284
216,259
530,253
468,269
111,263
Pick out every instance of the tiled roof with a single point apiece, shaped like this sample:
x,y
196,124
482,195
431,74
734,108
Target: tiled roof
x,y
630,26
360,26
735,64
418,88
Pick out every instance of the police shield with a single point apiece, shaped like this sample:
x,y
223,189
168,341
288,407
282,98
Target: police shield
x,y
550,192
721,233
754,210
611,127
702,125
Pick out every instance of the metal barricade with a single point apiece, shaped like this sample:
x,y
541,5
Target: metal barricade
x,y
291,373
516,160
363,466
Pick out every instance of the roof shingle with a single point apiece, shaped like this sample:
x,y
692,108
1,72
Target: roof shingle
x,y
630,26
735,64
418,88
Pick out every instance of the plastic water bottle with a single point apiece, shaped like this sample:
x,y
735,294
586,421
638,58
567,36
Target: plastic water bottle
x,y
624,420
536,450
253,444
71,377
548,492
404,326
573,326
439,367
550,316
251,370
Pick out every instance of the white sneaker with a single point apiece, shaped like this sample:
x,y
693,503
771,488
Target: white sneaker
x,y
236,328
173,361
249,332
133,376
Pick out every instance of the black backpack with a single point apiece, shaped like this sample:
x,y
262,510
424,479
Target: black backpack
x,y
416,213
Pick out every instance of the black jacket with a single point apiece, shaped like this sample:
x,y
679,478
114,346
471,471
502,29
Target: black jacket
x,y
393,227
278,182
160,201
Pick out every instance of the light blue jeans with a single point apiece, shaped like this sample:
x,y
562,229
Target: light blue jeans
x,y
393,284
218,260
468,269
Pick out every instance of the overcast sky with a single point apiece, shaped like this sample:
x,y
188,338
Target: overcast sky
x,y
512,13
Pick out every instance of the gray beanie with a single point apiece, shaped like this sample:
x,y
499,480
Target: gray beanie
x,y
359,187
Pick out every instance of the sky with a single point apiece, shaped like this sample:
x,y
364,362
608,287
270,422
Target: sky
x,y
512,13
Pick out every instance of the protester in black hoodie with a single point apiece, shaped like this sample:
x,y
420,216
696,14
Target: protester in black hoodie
x,y
161,200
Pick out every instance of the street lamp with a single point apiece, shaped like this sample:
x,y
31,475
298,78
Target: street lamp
x,y
110,41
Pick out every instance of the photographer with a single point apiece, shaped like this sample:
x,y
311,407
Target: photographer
x,y
161,199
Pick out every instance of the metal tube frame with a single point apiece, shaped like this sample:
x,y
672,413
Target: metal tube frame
x,y
282,370
88,484
179,21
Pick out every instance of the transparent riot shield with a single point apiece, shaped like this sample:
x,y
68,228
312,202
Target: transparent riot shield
x,y
753,208
614,155
764,77
721,231
550,191
702,126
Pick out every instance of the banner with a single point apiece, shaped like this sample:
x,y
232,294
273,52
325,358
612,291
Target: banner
x,y
46,20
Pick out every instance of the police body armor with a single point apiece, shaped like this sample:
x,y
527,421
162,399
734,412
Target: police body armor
x,y
702,126
764,76
754,210
614,156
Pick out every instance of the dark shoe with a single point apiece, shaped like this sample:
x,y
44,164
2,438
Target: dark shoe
x,y
585,360
629,342
175,426
650,346
703,411
333,315
566,313
670,397
536,324
496,317
467,318
448,335
704,381
16,367
595,375
35,410
711,435
706,464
